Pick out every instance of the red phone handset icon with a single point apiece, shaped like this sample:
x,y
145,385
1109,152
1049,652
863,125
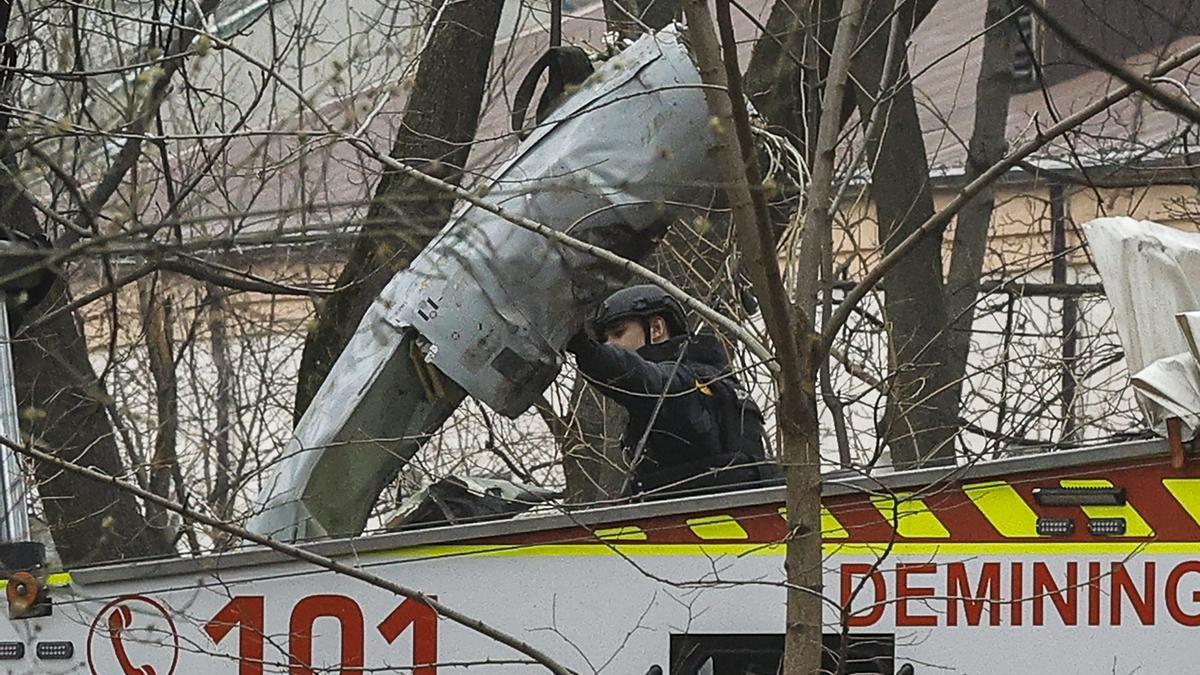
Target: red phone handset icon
x,y
118,621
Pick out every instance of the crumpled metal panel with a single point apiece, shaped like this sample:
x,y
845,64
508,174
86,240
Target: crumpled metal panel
x,y
373,412
611,167
490,304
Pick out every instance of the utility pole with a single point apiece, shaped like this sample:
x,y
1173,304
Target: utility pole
x,y
1070,307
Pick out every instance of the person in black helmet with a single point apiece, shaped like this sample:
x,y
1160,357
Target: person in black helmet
x,y
692,426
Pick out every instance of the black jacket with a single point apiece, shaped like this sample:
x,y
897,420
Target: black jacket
x,y
704,431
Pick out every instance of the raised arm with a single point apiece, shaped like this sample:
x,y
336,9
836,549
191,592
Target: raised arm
x,y
625,376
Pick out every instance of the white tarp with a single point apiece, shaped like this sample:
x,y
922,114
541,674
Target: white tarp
x,y
1151,275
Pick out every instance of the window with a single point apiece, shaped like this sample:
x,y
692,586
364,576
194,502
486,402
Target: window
x,y
1024,48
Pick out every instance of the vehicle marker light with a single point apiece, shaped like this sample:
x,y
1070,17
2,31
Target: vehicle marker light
x,y
11,651
1055,527
1080,496
1106,527
57,650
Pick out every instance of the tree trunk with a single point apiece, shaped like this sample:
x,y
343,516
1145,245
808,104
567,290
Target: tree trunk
x,y
800,428
156,321
63,402
435,136
786,67
790,331
62,405
993,91
799,433
221,495
789,62
918,424
773,76
919,421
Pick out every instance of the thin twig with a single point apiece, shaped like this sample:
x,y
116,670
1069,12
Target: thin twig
x,y
526,223
1178,105
939,220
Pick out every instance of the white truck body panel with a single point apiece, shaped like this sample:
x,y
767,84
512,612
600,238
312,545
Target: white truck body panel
x,y
964,586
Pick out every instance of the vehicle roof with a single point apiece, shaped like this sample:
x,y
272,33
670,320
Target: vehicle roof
x,y
836,484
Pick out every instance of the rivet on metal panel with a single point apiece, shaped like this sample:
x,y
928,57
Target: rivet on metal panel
x,y
1135,525
912,517
1004,508
623,533
717,527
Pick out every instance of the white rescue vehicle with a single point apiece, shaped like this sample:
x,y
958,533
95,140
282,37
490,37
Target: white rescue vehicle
x,y
1084,561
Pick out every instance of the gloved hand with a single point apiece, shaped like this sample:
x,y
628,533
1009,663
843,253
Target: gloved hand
x,y
579,342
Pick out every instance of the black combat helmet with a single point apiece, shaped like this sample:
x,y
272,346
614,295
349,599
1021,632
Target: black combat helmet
x,y
642,301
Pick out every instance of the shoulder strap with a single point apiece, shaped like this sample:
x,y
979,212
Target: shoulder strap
x,y
568,67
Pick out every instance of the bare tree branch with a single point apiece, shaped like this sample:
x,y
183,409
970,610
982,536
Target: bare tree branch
x,y
296,553
968,192
1178,105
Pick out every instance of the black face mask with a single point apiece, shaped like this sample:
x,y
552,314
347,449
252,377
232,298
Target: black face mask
x,y
697,347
